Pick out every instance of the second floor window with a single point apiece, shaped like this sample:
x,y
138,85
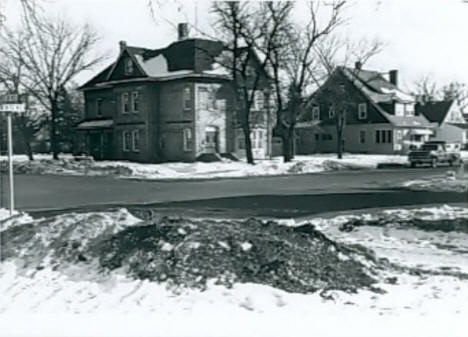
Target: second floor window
x,y
259,100
128,66
362,111
99,107
315,113
187,98
125,103
135,101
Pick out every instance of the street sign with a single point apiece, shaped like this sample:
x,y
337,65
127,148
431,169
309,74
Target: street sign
x,y
13,107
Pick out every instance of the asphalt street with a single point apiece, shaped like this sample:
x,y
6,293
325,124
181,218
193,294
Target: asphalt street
x,y
282,196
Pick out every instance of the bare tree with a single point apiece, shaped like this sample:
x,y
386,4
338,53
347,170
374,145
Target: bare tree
x,y
458,92
425,89
249,33
56,51
12,79
295,61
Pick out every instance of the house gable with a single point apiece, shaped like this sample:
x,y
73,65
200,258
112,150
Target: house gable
x,y
454,114
356,97
118,71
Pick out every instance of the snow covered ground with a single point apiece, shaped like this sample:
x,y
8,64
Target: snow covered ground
x,y
454,180
199,170
420,258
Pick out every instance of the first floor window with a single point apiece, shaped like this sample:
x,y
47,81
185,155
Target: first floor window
x,y
125,103
383,136
362,136
126,138
188,139
136,140
316,113
362,111
240,143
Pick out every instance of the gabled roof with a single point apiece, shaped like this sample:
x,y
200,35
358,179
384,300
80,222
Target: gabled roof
x,y
435,112
378,90
181,58
378,87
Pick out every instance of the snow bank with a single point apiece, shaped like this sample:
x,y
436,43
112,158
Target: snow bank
x,y
452,181
422,270
199,170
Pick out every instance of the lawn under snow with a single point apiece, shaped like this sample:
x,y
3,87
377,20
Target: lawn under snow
x,y
199,170
418,259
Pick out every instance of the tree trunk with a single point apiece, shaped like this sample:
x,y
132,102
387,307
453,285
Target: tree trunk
x,y
53,133
248,145
339,144
288,144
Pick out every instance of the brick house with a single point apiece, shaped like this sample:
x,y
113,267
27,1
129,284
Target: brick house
x,y
447,119
169,104
381,118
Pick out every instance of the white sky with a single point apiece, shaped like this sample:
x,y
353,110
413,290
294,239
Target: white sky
x,y
422,36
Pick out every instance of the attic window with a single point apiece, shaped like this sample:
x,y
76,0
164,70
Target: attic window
x,y
316,113
128,66
362,111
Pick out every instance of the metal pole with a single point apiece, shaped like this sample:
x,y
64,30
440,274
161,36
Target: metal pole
x,y
10,163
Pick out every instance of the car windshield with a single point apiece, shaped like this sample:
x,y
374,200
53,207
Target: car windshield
x,y
429,147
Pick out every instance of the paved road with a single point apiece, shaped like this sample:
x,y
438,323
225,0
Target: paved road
x,y
299,193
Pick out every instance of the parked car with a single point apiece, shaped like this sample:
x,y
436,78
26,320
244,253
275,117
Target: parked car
x,y
435,153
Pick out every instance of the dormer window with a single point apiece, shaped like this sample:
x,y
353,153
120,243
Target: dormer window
x,y
128,66
362,111
316,113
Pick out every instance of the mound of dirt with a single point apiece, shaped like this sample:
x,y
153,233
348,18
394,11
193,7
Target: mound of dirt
x,y
187,253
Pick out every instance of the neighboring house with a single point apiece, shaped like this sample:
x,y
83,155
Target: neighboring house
x,y
170,104
447,119
380,119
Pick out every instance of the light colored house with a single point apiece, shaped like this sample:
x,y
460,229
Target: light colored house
x,y
170,104
447,119
381,117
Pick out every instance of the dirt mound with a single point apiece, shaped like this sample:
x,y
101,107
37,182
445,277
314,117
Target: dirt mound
x,y
430,225
186,253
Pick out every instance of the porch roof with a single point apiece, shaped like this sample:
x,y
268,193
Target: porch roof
x,y
96,124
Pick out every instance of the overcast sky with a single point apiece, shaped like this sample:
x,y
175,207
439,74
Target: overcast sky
x,y
421,36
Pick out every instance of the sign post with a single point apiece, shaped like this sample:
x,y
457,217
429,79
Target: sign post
x,y
11,103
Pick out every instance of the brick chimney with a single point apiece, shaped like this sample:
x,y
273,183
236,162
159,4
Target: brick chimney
x,y
183,31
393,76
122,45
